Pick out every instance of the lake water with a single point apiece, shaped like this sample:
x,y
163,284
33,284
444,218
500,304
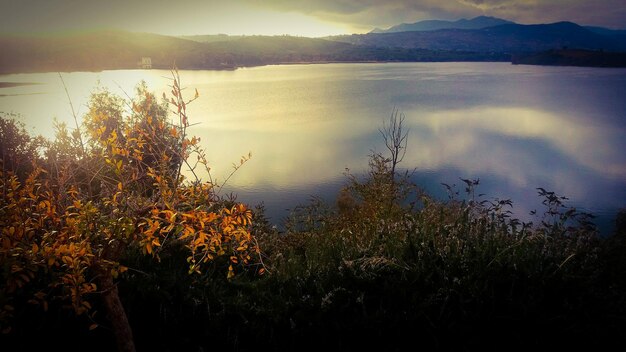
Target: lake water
x,y
514,127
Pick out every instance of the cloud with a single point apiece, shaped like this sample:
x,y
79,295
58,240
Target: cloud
x,y
160,16
366,14
372,13
214,16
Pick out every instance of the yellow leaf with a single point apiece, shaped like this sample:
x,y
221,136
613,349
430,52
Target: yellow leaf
x,y
119,186
174,132
231,272
35,248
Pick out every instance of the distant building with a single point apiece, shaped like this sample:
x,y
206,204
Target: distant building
x,y
145,63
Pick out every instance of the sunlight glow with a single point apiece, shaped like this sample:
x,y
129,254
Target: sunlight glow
x,y
236,19
280,23
321,130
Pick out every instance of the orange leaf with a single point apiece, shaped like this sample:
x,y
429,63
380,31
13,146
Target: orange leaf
x,y
231,272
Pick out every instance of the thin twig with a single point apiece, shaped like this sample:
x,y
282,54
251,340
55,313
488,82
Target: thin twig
x,y
69,99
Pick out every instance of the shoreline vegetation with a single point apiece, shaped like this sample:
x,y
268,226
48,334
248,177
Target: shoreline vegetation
x,y
104,246
564,57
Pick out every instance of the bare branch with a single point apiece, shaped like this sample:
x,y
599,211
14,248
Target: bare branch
x,y
395,138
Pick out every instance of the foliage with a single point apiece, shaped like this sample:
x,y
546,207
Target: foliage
x,y
19,150
68,225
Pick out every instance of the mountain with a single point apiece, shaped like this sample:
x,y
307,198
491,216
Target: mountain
x,y
506,38
211,38
109,50
104,50
94,51
433,25
606,31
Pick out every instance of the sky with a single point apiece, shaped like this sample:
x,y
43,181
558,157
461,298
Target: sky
x,y
311,18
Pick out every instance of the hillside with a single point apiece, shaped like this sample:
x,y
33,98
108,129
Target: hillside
x,y
95,51
507,38
572,57
105,50
433,25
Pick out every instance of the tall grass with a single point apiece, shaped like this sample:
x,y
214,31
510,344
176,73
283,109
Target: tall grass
x,y
388,263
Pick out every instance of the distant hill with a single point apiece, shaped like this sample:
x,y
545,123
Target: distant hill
x,y
106,50
606,31
101,50
433,25
94,51
507,38
572,57
211,38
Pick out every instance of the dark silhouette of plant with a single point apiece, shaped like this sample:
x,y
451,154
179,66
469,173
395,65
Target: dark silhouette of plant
x,y
395,138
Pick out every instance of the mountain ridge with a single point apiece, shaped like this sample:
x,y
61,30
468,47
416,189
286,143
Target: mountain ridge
x,y
110,50
431,25
505,38
114,49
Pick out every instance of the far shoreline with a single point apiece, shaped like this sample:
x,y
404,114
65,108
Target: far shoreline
x,y
290,63
16,84
230,68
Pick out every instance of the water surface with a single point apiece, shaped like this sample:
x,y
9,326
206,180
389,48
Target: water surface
x,y
514,127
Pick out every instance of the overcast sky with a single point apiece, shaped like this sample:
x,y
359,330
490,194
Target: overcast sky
x,y
295,17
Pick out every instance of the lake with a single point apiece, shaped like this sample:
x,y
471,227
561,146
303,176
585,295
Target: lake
x,y
514,127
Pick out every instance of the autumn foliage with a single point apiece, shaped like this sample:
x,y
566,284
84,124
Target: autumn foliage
x,y
114,184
